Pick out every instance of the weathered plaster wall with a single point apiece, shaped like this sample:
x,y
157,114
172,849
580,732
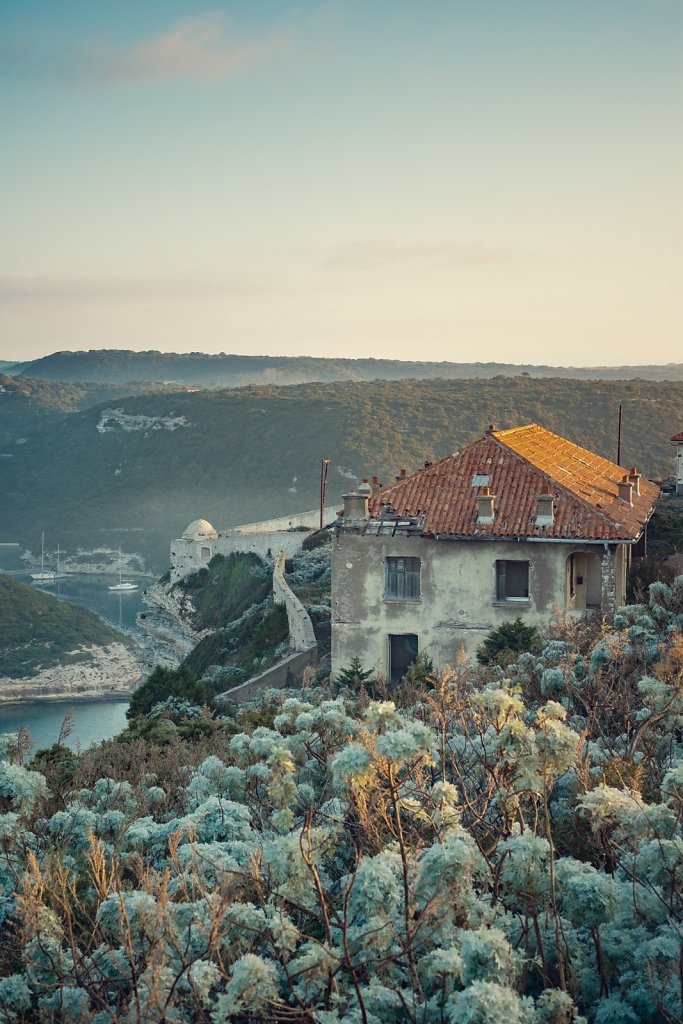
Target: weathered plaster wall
x,y
457,606
679,469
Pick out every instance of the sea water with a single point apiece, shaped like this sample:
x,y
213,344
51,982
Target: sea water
x,y
94,720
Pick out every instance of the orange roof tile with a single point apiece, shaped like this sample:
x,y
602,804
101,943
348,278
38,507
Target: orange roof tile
x,y
521,464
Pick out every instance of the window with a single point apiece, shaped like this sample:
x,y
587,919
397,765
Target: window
x,y
512,581
403,650
402,579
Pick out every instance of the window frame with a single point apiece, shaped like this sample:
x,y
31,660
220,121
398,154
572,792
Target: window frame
x,y
410,575
501,577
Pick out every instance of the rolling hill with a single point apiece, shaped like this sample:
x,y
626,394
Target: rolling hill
x,y
135,472
119,366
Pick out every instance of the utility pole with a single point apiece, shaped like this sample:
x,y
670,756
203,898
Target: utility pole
x,y
619,438
323,487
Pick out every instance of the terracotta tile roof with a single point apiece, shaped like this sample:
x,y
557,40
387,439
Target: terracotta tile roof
x,y
521,464
677,437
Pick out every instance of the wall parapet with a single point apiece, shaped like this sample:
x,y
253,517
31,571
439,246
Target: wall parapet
x,y
301,634
274,678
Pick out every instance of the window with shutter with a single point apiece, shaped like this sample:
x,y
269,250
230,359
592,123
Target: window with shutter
x,y
402,579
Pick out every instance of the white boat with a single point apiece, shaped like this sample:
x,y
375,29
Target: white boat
x,y
45,575
123,584
59,575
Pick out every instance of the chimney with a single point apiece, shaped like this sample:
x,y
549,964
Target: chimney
x,y
545,513
401,475
485,506
634,477
375,484
365,488
626,489
355,507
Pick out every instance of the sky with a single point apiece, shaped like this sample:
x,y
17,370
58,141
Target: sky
x,y
415,179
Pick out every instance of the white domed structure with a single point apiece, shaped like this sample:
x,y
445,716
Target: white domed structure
x,y
200,529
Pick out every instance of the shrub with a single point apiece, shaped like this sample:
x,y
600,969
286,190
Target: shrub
x,y
508,639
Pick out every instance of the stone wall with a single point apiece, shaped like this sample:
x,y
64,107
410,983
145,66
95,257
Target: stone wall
x,y
301,638
264,539
273,678
301,635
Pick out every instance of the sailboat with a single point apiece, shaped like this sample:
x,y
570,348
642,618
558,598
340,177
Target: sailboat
x,y
123,584
59,575
45,575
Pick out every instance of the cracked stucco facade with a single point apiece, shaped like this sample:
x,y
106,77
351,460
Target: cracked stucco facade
x,y
457,605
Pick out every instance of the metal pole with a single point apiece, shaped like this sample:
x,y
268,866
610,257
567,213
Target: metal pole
x,y
619,439
323,487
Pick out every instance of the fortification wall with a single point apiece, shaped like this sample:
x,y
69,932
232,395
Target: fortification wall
x,y
311,520
301,639
301,635
265,539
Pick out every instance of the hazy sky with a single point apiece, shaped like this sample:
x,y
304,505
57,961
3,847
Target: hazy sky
x,y
422,179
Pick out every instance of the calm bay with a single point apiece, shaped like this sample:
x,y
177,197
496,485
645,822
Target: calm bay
x,y
93,720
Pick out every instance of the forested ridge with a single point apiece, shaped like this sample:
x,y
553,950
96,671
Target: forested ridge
x,y
227,369
136,471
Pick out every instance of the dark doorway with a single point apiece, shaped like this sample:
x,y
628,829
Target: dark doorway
x,y
402,653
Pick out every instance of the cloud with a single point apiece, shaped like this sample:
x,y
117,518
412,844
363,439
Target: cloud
x,y
375,253
203,47
43,287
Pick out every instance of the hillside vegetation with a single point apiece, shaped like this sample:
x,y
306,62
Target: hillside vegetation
x,y
26,403
226,587
137,471
38,631
477,848
198,368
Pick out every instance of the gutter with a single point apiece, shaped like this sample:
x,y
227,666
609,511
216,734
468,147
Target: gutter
x,y
532,540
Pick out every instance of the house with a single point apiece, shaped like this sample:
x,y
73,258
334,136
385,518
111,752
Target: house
x,y
519,523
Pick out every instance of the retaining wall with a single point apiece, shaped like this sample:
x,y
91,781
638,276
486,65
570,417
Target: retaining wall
x,y
301,635
273,678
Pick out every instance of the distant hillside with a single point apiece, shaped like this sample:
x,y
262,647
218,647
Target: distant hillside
x,y
135,472
26,403
196,368
38,631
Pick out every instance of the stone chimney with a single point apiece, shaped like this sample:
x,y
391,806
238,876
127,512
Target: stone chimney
x,y
375,484
545,512
355,507
634,477
365,488
626,489
485,506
